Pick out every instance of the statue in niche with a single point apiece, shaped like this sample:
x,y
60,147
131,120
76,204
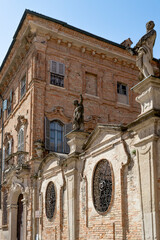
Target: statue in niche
x,y
78,117
144,50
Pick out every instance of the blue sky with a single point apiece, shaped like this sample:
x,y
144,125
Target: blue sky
x,y
115,20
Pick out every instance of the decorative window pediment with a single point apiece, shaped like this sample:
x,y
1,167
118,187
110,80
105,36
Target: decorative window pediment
x,y
7,137
8,142
58,113
21,121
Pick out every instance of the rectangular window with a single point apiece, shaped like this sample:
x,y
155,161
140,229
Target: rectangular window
x,y
91,83
122,92
9,107
121,89
57,72
23,86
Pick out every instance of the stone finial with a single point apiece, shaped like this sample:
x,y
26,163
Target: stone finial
x,y
127,43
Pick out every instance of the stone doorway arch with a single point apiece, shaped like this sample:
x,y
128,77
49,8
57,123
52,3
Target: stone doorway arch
x,y
17,212
20,217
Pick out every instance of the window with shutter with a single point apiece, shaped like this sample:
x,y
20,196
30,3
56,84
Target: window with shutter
x,y
55,139
8,149
47,134
56,136
21,140
23,86
57,72
9,108
5,105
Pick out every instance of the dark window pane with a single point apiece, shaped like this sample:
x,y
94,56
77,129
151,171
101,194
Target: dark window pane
x,y
56,136
23,86
121,89
57,80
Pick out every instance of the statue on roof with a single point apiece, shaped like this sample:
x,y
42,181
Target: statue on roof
x,y
78,118
144,50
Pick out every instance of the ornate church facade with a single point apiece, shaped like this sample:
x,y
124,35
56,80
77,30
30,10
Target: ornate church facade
x,y
101,182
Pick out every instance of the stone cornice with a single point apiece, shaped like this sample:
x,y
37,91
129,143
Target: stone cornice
x,y
83,43
26,35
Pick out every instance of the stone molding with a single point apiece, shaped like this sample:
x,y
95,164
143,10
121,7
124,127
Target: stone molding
x,y
21,121
76,142
149,94
58,113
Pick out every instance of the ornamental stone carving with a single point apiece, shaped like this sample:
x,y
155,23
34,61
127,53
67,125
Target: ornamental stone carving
x,y
144,50
21,121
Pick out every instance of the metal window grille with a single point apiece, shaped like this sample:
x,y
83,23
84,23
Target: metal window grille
x,y
102,186
50,200
57,80
57,72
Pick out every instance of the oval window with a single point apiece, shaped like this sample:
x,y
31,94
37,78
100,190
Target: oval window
x,y
50,200
102,186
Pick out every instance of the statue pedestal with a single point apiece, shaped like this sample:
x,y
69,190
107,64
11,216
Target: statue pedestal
x,y
72,172
77,139
149,94
147,144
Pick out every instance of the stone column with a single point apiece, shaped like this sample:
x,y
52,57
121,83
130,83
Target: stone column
x,y
72,175
147,127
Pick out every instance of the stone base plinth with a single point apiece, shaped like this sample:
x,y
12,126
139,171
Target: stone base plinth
x,y
77,139
149,94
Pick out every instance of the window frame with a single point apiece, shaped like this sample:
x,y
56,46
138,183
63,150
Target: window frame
x,y
20,143
66,129
122,93
57,124
23,87
57,73
9,103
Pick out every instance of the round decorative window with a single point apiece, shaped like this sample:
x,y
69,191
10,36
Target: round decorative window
x,y
102,186
50,200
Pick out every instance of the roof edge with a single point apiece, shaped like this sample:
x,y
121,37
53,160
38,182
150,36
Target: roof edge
x,y
27,11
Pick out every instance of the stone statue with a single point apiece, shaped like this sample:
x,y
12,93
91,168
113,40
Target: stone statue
x,y
78,118
144,50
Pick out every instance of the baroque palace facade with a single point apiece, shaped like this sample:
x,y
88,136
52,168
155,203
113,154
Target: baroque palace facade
x,y
100,183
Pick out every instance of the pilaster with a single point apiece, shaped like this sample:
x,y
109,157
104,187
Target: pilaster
x,y
147,127
73,166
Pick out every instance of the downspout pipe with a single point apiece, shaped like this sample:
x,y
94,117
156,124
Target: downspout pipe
x,y
1,156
